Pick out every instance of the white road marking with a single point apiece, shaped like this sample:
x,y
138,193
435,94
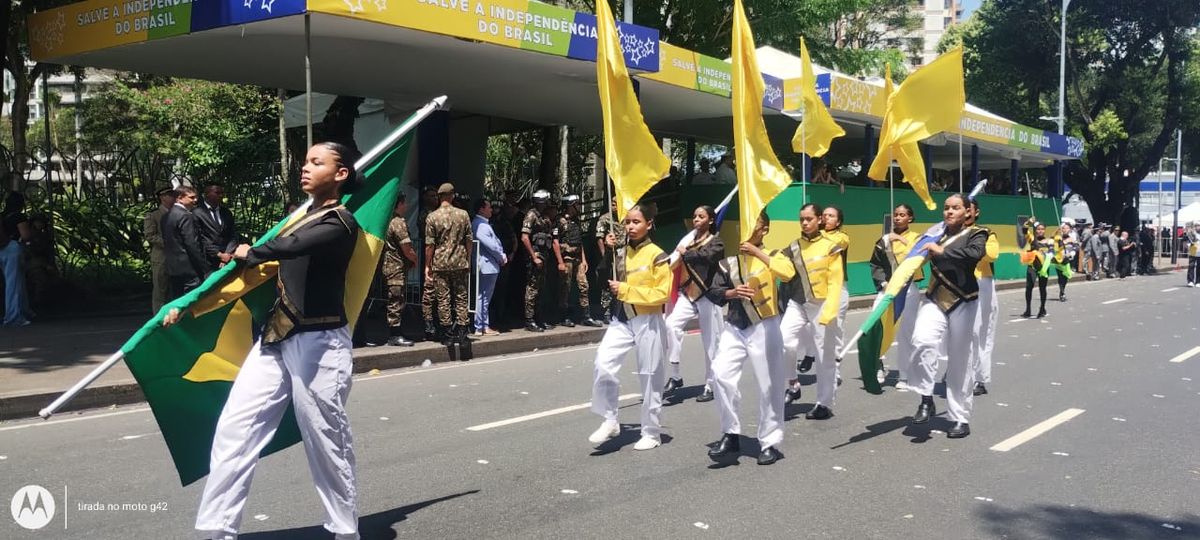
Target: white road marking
x,y
1042,427
543,414
1179,359
76,419
1170,290
1114,301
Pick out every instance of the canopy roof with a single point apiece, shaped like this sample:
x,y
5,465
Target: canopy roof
x,y
510,59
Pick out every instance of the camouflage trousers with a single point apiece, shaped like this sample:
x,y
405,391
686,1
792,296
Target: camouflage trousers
x,y
536,277
574,272
450,290
603,274
395,305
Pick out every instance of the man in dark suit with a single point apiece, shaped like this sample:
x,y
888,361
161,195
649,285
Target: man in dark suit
x,y
186,263
215,222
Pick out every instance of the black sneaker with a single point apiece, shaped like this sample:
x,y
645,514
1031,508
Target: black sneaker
x,y
805,364
568,323
673,384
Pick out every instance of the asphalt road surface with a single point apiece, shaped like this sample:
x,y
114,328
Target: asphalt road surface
x,y
1121,360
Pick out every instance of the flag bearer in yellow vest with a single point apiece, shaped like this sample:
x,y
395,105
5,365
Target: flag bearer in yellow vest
x,y
746,284
813,306
640,293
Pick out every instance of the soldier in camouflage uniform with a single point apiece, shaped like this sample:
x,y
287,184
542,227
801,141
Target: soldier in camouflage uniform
x,y
429,203
572,265
610,236
537,239
448,245
398,258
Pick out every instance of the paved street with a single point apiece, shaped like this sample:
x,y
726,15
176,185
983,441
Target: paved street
x,y
1126,467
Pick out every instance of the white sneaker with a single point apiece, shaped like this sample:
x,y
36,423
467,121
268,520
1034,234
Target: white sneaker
x,y
606,431
902,385
881,375
646,443
1190,284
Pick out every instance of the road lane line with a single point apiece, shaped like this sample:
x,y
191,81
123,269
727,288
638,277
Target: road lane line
x,y
1179,359
1042,427
1114,301
1172,289
76,419
543,414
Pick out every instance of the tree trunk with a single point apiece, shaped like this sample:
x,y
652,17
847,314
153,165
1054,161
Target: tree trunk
x,y
339,120
547,168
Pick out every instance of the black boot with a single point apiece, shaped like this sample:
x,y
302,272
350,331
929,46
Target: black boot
x,y
673,384
431,331
730,445
568,323
925,410
805,365
589,322
793,392
960,430
532,326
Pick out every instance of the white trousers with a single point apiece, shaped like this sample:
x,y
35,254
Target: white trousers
x,y
762,345
311,371
985,329
830,341
952,334
647,336
711,324
908,321
799,328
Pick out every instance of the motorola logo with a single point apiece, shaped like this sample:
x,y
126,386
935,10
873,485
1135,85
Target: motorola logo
x,y
32,507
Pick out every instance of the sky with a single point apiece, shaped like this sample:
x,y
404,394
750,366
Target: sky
x,y
970,6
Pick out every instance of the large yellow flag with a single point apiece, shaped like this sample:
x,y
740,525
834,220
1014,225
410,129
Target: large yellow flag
x,y
818,129
929,102
631,154
760,177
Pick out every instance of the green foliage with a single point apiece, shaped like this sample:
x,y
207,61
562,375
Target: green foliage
x,y
1107,130
204,125
849,35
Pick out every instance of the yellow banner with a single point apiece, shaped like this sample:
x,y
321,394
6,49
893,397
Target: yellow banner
x,y
677,66
98,24
855,96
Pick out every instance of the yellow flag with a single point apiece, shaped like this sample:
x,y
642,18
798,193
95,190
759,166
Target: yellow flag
x,y
818,129
760,177
631,154
929,102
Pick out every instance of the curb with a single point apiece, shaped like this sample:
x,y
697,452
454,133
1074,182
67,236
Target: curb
x,y
365,359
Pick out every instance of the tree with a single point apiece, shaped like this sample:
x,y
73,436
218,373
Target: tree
x,y
25,73
1127,80
205,126
853,36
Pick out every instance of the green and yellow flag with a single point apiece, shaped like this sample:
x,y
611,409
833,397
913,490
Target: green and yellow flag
x,y
929,102
760,176
186,370
818,129
632,156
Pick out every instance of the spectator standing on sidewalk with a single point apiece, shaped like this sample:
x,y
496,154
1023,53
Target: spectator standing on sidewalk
x,y
15,235
398,258
490,259
186,264
152,230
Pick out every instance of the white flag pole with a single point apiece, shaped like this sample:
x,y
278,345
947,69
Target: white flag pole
x,y
436,104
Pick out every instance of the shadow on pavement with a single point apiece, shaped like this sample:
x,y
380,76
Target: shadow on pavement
x,y
371,527
1054,521
875,430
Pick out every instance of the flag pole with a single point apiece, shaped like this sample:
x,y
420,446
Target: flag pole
x,y
403,129
79,386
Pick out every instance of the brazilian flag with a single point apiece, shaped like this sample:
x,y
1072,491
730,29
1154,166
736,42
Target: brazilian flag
x,y
880,327
187,370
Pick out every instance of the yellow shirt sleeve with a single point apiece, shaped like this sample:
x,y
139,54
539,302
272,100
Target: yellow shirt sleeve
x,y
655,294
782,267
992,252
833,290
